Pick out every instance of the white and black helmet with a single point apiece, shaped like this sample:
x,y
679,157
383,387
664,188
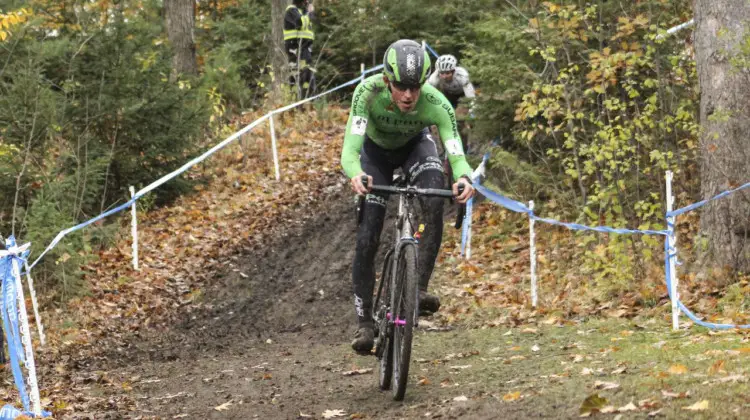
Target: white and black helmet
x,y
446,63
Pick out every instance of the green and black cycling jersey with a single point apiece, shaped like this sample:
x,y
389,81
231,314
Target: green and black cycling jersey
x,y
373,114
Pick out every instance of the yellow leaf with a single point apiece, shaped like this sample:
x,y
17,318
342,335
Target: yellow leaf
x,y
591,405
678,369
717,367
699,406
512,396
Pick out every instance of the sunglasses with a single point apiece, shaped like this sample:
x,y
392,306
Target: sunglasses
x,y
404,87
447,72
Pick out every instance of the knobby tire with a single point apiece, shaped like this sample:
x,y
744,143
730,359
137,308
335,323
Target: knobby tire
x,y
404,306
384,348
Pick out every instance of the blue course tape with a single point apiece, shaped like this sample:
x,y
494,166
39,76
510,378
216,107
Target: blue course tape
x,y
429,48
466,228
11,413
192,163
374,69
9,309
704,202
10,321
602,229
502,200
81,226
520,208
667,255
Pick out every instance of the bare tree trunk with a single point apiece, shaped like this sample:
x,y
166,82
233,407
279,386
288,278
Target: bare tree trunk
x,y
721,30
276,47
180,18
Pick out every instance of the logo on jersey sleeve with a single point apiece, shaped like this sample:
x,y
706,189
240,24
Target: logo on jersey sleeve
x,y
432,98
359,126
453,147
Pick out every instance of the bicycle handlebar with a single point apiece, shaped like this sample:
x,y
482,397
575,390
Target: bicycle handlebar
x,y
411,191
414,191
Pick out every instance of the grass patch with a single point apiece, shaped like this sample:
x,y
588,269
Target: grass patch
x,y
549,370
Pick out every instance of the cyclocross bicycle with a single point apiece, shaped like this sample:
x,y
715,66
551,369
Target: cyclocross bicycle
x,y
396,305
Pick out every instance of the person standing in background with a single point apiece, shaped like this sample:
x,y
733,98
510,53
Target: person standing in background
x,y
298,41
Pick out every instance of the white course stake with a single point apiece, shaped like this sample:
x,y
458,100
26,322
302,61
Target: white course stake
x,y
273,145
34,303
532,252
23,318
362,70
134,229
672,250
469,220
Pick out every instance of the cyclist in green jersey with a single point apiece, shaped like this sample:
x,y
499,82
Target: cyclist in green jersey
x,y
388,129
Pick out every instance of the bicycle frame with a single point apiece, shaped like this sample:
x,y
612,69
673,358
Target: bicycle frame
x,y
404,228
395,310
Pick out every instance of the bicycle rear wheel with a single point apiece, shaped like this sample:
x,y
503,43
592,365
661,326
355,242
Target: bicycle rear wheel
x,y
384,347
404,313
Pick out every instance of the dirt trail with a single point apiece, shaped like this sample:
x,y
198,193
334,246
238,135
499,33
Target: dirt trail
x,y
268,345
272,343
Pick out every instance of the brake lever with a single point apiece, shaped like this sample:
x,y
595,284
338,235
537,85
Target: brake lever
x,y
461,209
361,202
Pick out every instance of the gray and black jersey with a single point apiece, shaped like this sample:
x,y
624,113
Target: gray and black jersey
x,y
457,88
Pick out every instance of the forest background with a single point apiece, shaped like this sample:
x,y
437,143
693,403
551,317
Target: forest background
x,y
582,105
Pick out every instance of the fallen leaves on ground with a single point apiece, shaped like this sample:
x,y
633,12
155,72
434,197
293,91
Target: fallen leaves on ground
x,y
675,395
606,385
357,372
592,405
628,407
238,208
512,396
331,414
699,406
678,369
223,407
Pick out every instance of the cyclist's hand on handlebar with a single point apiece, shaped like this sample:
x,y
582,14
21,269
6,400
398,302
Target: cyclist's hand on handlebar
x,y
358,186
468,191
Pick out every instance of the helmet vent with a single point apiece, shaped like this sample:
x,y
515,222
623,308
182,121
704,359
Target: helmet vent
x,y
411,65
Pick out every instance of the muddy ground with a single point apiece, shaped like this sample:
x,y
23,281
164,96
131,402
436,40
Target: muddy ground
x,y
272,342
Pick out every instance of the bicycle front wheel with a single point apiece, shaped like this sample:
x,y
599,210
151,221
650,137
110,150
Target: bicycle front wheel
x,y
384,347
404,315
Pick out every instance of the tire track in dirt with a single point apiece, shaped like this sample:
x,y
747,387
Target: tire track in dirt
x,y
272,340
275,328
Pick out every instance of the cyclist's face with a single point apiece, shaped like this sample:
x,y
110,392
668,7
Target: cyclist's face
x,y
446,75
405,97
